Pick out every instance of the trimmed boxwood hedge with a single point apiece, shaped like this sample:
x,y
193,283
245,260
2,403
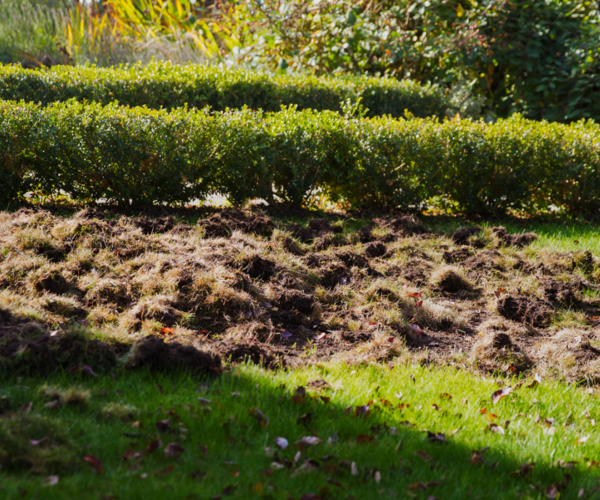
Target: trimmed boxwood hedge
x,y
163,85
142,156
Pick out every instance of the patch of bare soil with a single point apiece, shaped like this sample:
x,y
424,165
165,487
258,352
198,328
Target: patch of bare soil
x,y
96,289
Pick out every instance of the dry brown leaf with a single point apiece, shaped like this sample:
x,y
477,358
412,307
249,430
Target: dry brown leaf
x,y
173,450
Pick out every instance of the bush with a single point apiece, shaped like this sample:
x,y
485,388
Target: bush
x,y
141,156
163,85
540,58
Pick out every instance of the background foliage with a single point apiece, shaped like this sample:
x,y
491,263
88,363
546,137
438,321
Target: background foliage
x,y
540,58
141,156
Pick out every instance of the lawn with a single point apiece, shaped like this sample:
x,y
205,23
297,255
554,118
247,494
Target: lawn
x,y
383,431
398,388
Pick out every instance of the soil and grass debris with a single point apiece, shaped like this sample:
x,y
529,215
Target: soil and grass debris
x,y
162,289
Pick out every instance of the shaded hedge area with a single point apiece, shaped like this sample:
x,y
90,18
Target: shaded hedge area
x,y
141,156
163,85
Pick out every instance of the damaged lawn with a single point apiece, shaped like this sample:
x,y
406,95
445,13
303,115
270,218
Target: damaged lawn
x,y
197,290
316,432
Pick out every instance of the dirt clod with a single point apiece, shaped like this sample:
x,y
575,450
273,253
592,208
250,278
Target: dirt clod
x,y
524,310
513,240
155,354
462,236
376,249
159,225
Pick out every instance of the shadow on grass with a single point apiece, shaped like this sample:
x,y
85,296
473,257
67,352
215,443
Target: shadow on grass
x,y
229,449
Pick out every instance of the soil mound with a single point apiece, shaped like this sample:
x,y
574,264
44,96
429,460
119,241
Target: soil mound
x,y
27,345
376,249
486,260
559,291
224,223
159,225
90,213
524,310
403,225
462,236
154,353
451,257
513,240
260,354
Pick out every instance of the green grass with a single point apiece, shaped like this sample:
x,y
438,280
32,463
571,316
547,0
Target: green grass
x,y
235,442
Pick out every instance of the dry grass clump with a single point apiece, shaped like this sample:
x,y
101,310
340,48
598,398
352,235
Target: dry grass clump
x,y
451,279
572,353
75,396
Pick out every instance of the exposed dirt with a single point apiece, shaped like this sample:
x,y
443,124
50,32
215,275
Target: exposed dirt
x,y
157,292
524,310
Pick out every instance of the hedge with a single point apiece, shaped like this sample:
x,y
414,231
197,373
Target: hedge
x,y
141,156
163,85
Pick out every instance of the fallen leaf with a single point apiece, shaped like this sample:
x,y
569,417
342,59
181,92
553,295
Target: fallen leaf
x,y
417,329
498,395
435,407
483,411
260,417
364,438
228,490
204,402
299,396
445,395
419,303
353,469
321,336
128,454
153,446
362,411
95,463
165,330
37,442
88,371
524,469
436,437
307,441
50,480
422,454
496,428
552,491
391,340
163,425
310,496
377,476
477,458
282,443
582,440
325,399
258,488
173,450
26,408
304,419
415,295
285,334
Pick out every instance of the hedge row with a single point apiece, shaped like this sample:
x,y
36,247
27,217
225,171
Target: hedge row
x,y
163,85
141,156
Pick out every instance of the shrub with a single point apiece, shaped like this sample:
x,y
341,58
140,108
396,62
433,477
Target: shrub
x,y
142,156
163,85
